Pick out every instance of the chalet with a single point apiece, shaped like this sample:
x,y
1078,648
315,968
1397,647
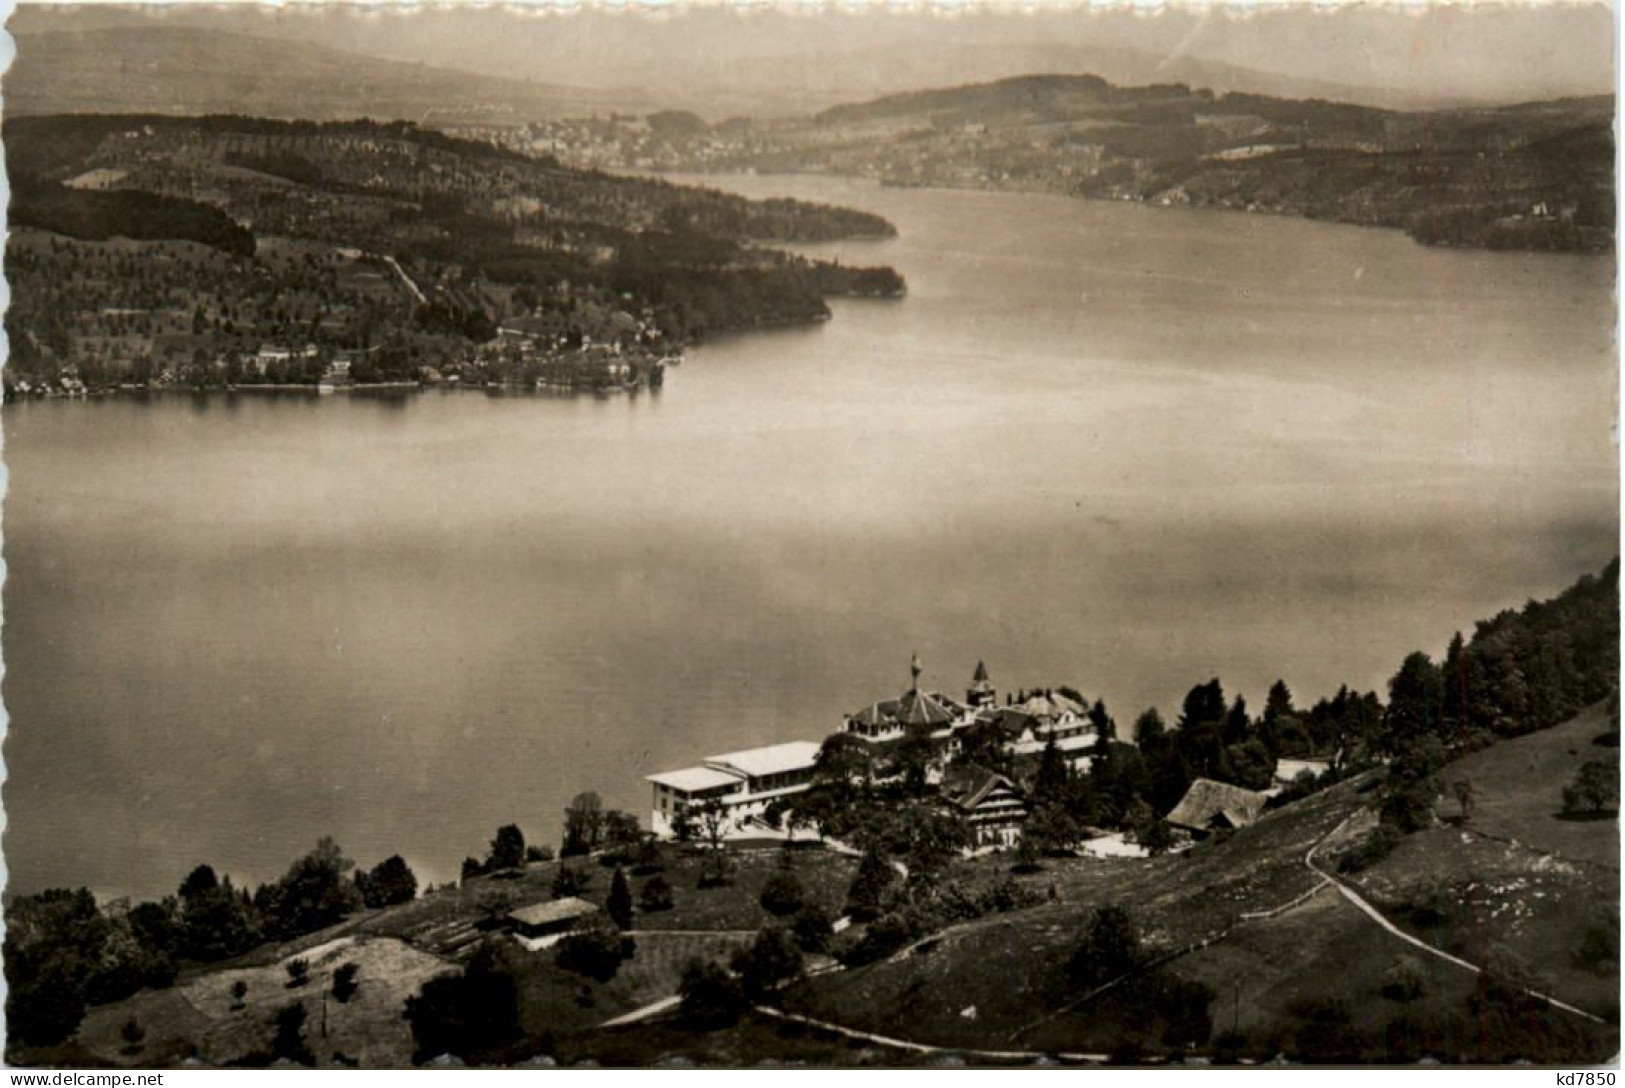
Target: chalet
x,y
1216,806
551,919
742,783
989,802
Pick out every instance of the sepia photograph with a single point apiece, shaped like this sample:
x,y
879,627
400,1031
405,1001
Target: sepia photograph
x,y
786,536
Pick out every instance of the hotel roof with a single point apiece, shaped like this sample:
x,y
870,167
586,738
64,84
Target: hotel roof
x,y
797,755
694,779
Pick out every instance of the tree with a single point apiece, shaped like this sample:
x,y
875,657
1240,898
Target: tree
x,y
298,970
843,760
507,849
472,868
621,832
711,997
583,824
1053,779
783,894
1051,830
289,1041
865,899
239,991
313,894
1110,947
345,985
388,883
467,1014
712,816
1594,789
768,963
1149,729
914,755
656,895
619,904
1105,728
1415,704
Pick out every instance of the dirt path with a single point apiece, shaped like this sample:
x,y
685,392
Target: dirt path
x,y
1377,916
926,1048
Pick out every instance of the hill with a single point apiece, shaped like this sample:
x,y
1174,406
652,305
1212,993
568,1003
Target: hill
x,y
190,71
1529,176
234,250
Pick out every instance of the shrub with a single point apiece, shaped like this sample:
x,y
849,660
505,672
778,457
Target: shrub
x,y
866,897
134,1036
596,952
298,972
771,960
1371,849
717,869
884,936
239,990
1110,947
1404,981
711,997
289,1040
344,982
812,928
656,895
1594,789
783,894
619,905
569,881
536,853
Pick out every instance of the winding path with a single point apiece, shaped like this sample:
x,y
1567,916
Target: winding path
x,y
1377,916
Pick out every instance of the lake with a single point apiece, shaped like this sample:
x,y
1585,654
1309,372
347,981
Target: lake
x,y
1117,447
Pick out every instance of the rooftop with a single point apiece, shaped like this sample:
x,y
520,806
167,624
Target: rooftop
x,y
557,910
796,755
694,779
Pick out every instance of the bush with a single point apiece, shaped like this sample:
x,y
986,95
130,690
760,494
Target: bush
x,y
812,928
656,895
465,1014
570,881
1373,848
298,972
134,1036
344,982
1110,947
771,960
884,936
783,895
535,853
866,897
1595,789
1404,981
711,997
717,869
597,952
239,990
289,1040
619,905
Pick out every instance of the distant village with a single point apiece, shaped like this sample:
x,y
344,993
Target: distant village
x,y
746,793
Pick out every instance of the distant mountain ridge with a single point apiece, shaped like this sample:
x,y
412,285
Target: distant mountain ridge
x,y
187,71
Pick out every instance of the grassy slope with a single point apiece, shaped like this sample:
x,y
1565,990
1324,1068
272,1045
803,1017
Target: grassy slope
x,y
1535,907
1517,877
399,948
1012,967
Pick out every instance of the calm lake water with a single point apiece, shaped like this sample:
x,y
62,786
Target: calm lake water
x,y
1112,446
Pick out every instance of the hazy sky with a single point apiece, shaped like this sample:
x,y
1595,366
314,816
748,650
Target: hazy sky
x,y
1497,53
